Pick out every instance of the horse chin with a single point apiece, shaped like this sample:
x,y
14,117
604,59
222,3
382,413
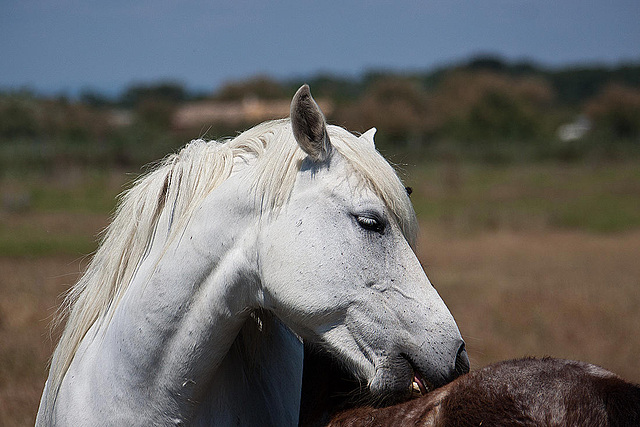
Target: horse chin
x,y
329,387
391,386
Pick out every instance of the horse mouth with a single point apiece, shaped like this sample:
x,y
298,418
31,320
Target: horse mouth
x,y
329,387
419,386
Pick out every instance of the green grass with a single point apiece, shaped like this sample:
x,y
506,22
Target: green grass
x,y
471,197
35,242
58,214
67,209
92,193
601,213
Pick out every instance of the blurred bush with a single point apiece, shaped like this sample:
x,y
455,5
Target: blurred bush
x,y
261,87
397,106
485,109
18,117
615,112
485,105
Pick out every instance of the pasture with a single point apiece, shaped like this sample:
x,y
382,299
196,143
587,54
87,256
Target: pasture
x,y
535,259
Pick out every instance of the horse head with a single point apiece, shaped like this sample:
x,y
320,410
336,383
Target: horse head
x,y
338,269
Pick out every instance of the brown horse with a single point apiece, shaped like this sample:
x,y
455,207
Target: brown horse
x,y
522,392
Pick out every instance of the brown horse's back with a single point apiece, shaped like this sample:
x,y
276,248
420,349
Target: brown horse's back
x,y
523,392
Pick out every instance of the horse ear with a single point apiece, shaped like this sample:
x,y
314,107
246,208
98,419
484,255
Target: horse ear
x,y
368,136
309,126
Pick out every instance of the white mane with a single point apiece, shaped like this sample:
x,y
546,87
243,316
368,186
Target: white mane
x,y
180,183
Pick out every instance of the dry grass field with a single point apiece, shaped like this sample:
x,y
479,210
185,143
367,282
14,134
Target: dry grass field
x,y
559,293
531,260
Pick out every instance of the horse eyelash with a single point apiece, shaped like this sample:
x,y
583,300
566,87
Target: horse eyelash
x,y
370,223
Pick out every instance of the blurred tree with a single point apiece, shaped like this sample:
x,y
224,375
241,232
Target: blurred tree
x,y
487,63
96,99
154,105
167,92
154,113
486,105
574,85
18,116
397,106
496,64
339,89
616,112
72,122
484,99
256,87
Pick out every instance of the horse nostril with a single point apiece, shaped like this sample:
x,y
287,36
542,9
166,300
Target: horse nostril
x,y
462,361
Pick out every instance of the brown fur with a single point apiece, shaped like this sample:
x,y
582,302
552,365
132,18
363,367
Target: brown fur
x,y
523,392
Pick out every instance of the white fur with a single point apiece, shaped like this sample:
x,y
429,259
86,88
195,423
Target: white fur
x,y
215,266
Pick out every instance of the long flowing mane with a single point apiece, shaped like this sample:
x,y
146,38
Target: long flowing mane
x,y
179,184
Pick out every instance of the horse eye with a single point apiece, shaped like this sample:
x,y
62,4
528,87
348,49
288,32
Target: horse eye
x,y
370,223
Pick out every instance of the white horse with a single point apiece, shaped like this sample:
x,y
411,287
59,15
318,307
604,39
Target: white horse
x,y
220,262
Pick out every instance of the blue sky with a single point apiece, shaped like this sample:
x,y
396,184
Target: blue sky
x,y
57,46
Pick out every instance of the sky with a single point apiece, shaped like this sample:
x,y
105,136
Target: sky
x,y
66,46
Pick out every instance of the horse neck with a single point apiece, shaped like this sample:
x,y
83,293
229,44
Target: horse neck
x,y
259,381
183,310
